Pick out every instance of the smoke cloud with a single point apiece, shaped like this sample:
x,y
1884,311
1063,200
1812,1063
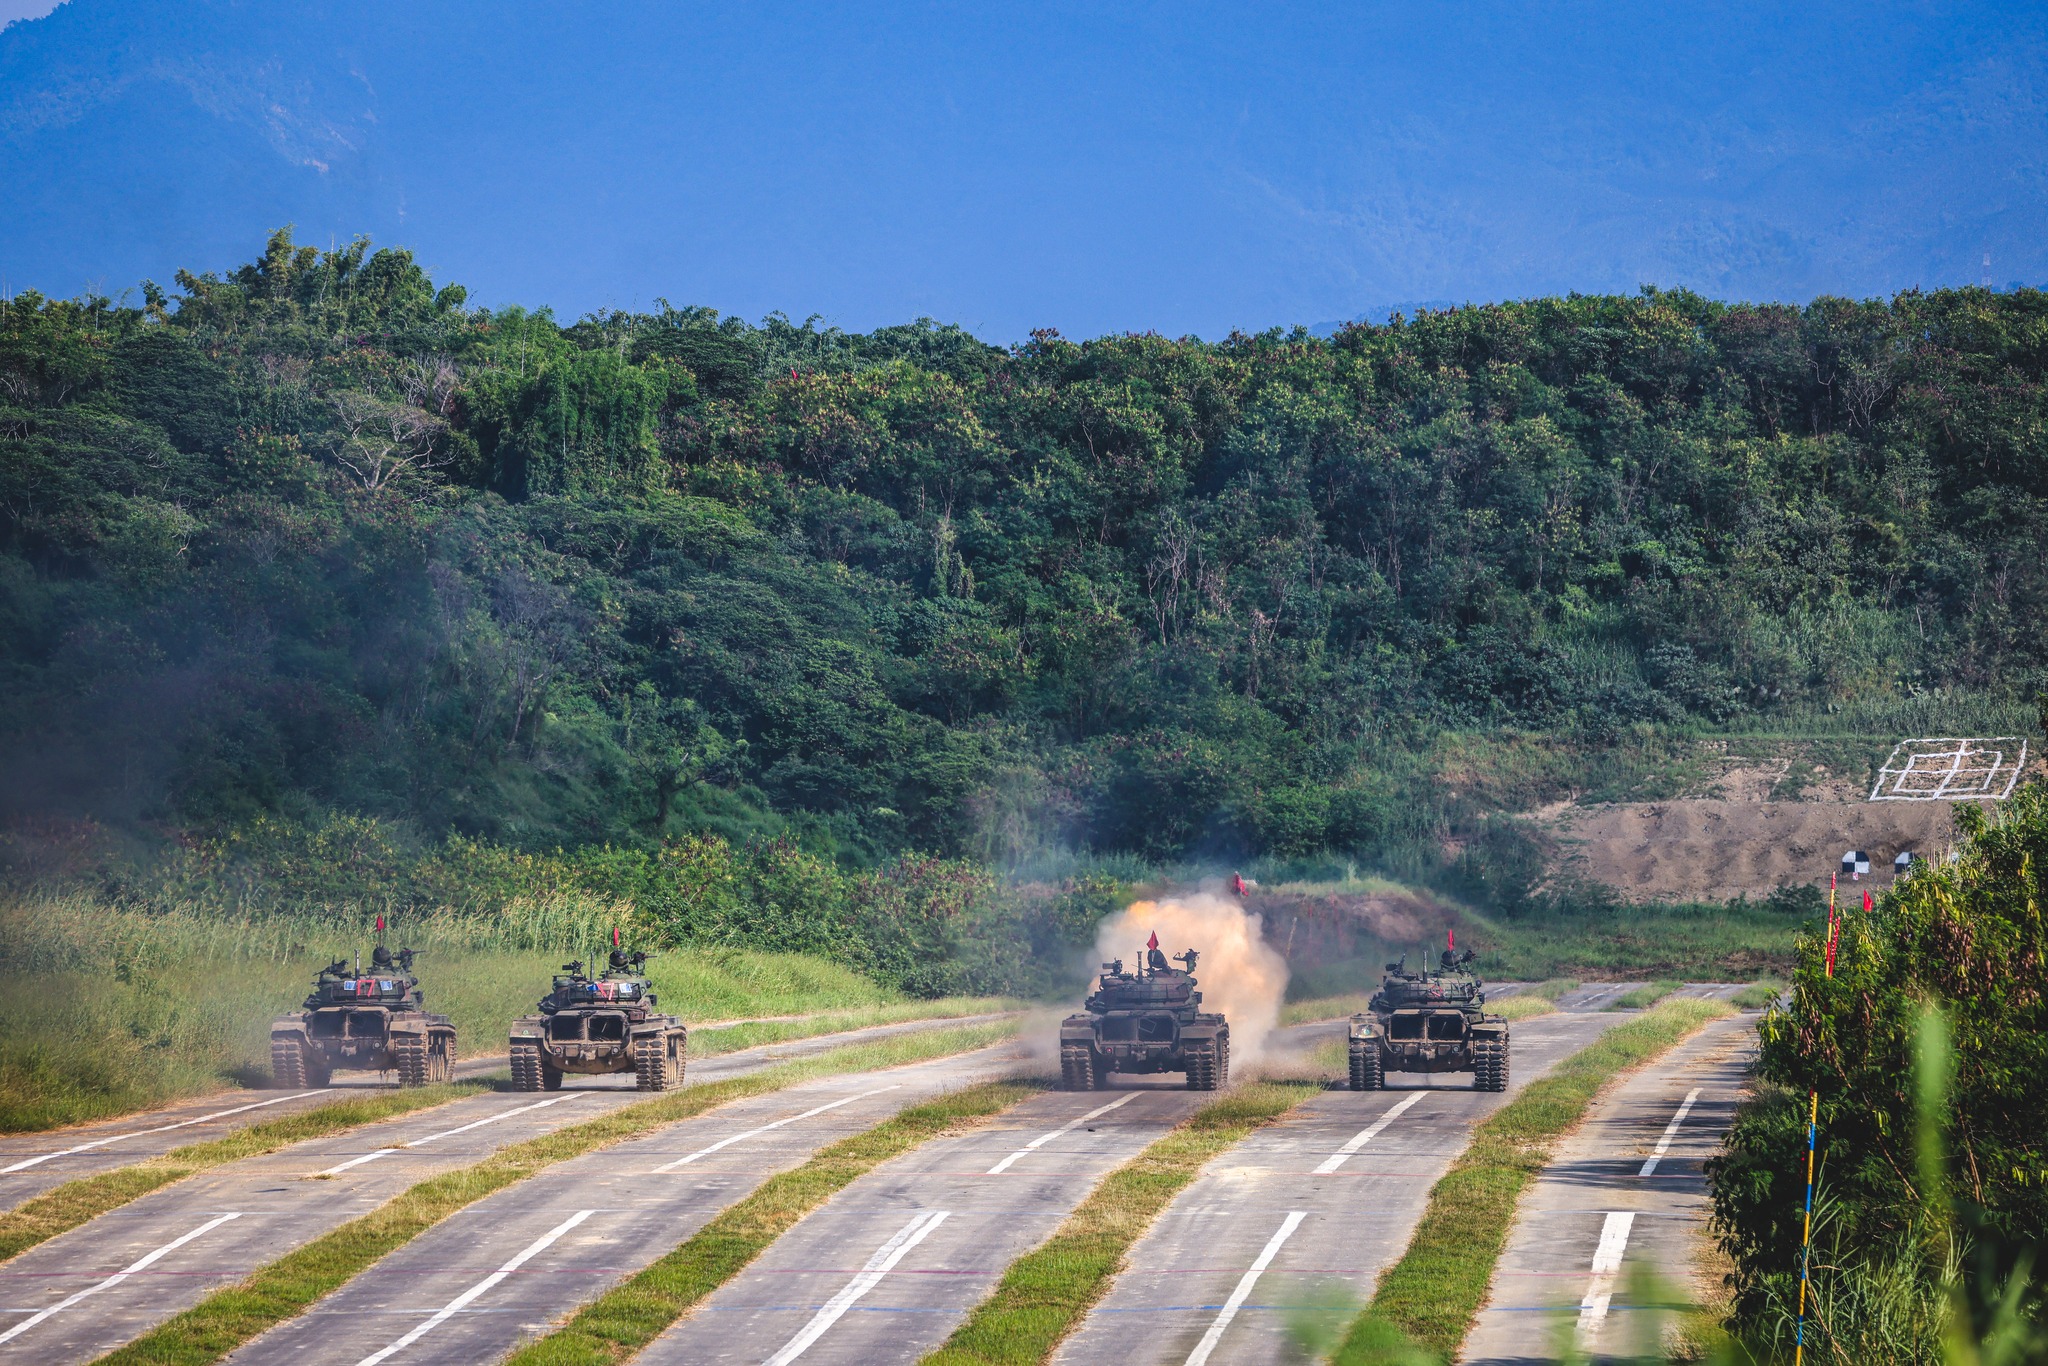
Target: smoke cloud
x,y
1242,976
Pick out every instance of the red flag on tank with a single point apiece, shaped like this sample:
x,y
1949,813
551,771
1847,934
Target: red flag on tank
x,y
1451,940
380,924
1153,942
615,936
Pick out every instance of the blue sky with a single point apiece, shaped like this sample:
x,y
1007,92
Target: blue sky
x,y
1090,167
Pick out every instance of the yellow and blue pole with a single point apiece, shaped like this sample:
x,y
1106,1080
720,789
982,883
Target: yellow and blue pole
x,y
1812,1136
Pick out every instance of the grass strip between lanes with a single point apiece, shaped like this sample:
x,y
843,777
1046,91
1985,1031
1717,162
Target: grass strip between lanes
x,y
223,1321
625,1319
1047,1291
1642,998
1429,1298
73,1203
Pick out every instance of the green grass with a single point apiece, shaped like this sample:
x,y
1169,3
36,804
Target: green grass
x,y
1642,998
223,1321
628,1317
1719,941
1324,1008
1427,1300
105,1010
74,1202
1045,1293
1758,995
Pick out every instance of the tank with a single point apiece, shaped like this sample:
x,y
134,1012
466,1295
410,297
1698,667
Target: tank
x,y
374,1021
598,1026
1429,1022
1150,1020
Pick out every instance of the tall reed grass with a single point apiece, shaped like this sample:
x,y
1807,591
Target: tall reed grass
x,y
105,1008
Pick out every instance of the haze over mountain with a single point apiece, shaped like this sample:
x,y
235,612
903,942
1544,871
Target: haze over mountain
x,y
1180,168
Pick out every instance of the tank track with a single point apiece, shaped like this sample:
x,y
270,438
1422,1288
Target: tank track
x,y
1077,1067
526,1066
287,1065
651,1064
1209,1065
1368,1071
1490,1067
410,1053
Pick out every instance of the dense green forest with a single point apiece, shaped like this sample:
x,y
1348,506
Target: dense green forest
x,y
318,537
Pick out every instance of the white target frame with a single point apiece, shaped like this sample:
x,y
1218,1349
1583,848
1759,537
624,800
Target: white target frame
x,y
1951,769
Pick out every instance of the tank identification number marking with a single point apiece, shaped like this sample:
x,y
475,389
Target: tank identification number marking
x,y
469,1296
159,1129
140,1264
1670,1132
1200,1356
1042,1139
881,1264
736,1138
1606,1270
1350,1150
376,1153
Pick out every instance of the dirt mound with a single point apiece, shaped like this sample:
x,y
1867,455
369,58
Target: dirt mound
x,y
1313,924
1713,850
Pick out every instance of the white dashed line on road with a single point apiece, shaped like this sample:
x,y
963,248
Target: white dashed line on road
x,y
1670,1132
376,1153
140,1264
160,1129
881,1264
1606,1269
1200,1356
1349,1150
728,1142
469,1296
1035,1143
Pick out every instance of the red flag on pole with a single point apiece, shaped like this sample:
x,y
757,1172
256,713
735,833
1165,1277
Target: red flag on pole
x,y
1866,903
615,936
1153,942
1451,941
380,924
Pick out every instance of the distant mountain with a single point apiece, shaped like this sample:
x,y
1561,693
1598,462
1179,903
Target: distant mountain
x,y
1196,168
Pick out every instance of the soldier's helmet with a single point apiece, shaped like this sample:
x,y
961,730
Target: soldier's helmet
x,y
380,957
619,961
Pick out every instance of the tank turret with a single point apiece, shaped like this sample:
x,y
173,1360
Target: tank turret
x,y
373,1021
597,1025
1146,1020
1429,1022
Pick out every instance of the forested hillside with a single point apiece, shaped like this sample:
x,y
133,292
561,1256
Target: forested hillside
x,y
317,537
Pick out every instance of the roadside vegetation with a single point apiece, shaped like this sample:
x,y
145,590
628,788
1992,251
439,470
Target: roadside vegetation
x,y
1643,997
1925,1046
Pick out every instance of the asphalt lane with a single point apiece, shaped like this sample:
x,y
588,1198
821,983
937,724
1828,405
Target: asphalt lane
x,y
1302,1217
1624,1192
472,1288
887,1268
157,1255
31,1164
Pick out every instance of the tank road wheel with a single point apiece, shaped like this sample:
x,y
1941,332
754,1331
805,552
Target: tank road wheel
x,y
288,1064
441,1060
1099,1066
1223,1061
1078,1067
411,1054
1202,1059
653,1064
1367,1070
525,1065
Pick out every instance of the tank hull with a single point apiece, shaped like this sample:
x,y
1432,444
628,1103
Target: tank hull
x,y
598,1042
1428,1040
1095,1047
308,1046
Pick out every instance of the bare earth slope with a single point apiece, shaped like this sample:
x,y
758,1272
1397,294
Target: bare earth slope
x,y
1705,849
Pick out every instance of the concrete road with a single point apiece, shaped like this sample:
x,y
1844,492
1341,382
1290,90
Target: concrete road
x,y
474,1287
1624,1192
892,1264
33,1163
105,1283
1308,1211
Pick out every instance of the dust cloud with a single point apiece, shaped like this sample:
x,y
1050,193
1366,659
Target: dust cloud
x,y
1242,976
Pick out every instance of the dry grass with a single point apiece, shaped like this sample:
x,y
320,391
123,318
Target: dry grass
x,y
223,1321
1428,1299
628,1317
1045,1293
1324,1008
